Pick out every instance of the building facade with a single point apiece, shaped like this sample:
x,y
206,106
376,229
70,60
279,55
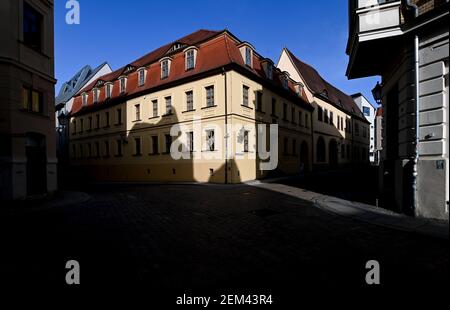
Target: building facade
x,y
369,113
379,122
407,44
27,122
216,89
340,130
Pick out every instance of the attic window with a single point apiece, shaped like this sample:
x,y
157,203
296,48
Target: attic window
x,y
340,102
84,98
122,84
108,90
190,58
96,93
325,93
286,82
248,56
141,77
165,67
270,71
177,46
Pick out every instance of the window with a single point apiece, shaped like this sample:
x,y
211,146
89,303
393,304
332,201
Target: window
x,y
106,119
210,96
74,130
96,149
96,93
106,146
306,120
155,108
84,99
168,142
155,148
32,27
245,90
342,150
356,129
90,123
285,111
190,59
119,116
137,109
190,100
246,132
190,141
168,105
331,118
294,147
248,56
108,90
81,125
97,121
366,111
325,116
164,69
269,71
300,118
293,115
320,114
274,104
210,140
286,82
33,100
123,84
119,147
259,99
285,145
141,77
80,150
89,150
137,146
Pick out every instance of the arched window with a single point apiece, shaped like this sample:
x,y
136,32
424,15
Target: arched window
x,y
320,150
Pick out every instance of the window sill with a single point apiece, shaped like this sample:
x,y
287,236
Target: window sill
x,y
187,111
106,127
246,106
154,117
273,115
137,120
209,107
209,151
167,115
154,154
137,155
118,156
118,124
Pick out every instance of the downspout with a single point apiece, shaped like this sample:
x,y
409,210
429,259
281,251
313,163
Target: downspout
x,y
226,125
414,199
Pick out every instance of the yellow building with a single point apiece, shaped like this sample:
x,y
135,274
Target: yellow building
x,y
212,85
340,130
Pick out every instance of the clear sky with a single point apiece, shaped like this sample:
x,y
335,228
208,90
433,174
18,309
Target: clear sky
x,y
121,31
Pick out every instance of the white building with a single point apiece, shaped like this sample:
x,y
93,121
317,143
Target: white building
x,y
369,112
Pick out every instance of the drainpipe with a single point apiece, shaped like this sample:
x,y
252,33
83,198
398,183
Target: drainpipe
x,y
414,200
226,125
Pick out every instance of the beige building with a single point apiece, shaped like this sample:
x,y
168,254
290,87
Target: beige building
x,y
218,89
27,121
341,133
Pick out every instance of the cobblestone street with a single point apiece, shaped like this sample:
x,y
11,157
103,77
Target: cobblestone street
x,y
209,236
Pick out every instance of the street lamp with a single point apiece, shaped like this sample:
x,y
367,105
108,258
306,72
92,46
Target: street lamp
x,y
377,92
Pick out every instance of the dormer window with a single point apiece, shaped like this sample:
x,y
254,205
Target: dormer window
x,y
190,56
108,90
285,80
96,93
247,54
299,89
165,67
325,93
84,99
141,77
270,71
122,84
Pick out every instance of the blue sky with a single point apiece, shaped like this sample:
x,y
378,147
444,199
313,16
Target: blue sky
x,y
122,31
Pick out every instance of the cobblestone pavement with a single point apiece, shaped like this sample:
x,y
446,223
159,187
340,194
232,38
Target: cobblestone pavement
x,y
209,236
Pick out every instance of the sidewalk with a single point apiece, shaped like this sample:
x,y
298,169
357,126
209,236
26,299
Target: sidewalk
x,y
360,211
57,200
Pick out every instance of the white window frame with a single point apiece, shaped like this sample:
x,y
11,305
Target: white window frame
x,y
108,90
210,140
84,99
194,58
208,97
122,87
164,61
245,97
189,103
95,93
169,107
141,76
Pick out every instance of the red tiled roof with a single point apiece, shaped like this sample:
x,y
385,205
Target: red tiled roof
x,y
318,86
215,50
